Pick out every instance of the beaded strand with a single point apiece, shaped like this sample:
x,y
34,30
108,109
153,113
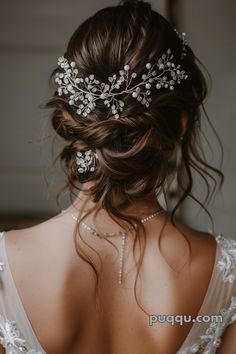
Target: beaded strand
x,y
120,233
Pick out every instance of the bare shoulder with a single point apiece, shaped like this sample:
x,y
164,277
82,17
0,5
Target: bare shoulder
x,y
46,248
48,235
44,257
181,241
192,253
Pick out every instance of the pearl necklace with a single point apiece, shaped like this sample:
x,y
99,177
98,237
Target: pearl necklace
x,y
120,233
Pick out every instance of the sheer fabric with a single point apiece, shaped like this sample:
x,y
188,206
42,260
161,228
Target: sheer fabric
x,y
17,335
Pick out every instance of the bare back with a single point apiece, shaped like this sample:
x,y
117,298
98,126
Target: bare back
x,y
57,288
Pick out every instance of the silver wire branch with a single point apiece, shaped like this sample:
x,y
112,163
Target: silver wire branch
x,y
164,74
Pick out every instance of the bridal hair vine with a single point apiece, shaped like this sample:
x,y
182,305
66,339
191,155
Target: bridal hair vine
x,y
163,74
182,36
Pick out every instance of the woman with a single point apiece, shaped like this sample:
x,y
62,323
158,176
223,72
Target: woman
x,y
101,276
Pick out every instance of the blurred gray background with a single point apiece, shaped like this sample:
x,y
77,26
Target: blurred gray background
x,y
32,36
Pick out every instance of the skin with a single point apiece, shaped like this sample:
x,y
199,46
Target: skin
x,y
228,344
56,286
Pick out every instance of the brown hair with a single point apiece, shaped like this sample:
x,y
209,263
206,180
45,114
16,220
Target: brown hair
x,y
137,152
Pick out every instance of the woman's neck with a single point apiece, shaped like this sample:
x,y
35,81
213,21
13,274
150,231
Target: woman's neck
x,y
139,208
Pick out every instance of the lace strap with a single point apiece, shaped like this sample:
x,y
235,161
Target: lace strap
x,y
227,261
2,263
2,234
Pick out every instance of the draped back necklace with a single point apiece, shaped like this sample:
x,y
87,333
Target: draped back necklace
x,y
122,234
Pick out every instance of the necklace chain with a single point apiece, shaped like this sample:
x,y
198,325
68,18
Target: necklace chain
x,y
120,233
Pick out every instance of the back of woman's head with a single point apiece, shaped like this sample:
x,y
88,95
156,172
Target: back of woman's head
x,y
136,152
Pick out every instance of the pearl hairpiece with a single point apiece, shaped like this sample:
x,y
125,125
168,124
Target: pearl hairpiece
x,y
164,74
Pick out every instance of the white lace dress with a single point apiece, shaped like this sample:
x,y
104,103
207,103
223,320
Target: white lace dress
x,y
17,335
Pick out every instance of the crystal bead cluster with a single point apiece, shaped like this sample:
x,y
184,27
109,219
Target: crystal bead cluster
x,y
86,161
84,92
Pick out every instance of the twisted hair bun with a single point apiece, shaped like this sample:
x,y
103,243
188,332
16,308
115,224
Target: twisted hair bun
x,y
141,137
137,152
